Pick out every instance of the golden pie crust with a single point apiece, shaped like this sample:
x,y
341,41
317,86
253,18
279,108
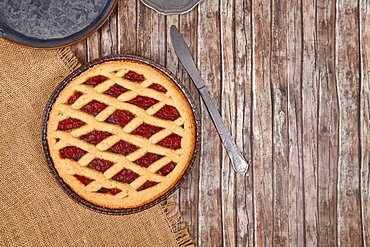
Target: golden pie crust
x,y
126,194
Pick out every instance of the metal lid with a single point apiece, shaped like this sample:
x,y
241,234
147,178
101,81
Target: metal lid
x,y
171,7
45,147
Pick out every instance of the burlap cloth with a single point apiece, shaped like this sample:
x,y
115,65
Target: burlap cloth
x,y
34,209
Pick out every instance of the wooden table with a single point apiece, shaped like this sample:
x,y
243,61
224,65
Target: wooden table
x,y
291,79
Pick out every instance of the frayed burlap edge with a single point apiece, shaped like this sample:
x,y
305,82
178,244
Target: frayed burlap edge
x,y
69,58
177,225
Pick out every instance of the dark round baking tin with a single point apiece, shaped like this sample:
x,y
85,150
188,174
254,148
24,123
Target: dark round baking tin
x,y
47,10
45,147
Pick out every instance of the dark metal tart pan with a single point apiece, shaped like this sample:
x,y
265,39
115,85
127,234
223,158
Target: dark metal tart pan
x,y
49,161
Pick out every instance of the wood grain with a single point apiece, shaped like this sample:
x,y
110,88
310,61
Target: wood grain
x,y
262,124
189,195
347,73
171,63
210,202
93,46
279,93
365,119
328,123
291,81
108,40
242,69
295,125
127,26
228,111
309,122
79,50
143,30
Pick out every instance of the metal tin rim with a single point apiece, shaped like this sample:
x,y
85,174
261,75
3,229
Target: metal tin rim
x,y
45,148
20,39
163,11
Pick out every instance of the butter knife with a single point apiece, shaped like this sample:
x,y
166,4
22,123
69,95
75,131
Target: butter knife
x,y
240,165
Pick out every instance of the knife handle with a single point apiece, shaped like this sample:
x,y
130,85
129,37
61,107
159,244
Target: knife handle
x,y
240,165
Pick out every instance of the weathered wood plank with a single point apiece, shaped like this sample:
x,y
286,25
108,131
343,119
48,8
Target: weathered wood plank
x,y
280,151
347,73
228,112
143,29
365,119
79,50
171,63
262,124
243,206
328,122
189,190
93,46
109,37
188,26
210,223
294,72
309,122
158,38
127,25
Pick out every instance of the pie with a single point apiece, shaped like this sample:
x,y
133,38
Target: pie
x,y
121,134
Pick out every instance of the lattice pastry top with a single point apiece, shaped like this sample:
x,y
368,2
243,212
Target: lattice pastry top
x,y
121,134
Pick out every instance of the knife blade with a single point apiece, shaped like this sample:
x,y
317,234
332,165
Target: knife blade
x,y
240,165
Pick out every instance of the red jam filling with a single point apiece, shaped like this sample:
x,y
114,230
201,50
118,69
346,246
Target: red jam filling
x,y
113,191
158,87
146,130
74,97
96,80
148,159
125,176
120,117
94,107
167,168
133,76
172,141
95,136
147,185
115,90
143,101
72,152
70,123
168,112
100,164
83,179
123,147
